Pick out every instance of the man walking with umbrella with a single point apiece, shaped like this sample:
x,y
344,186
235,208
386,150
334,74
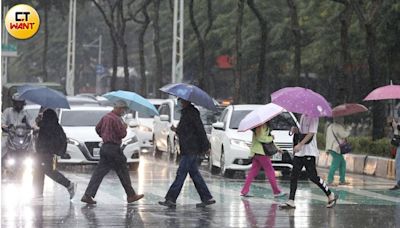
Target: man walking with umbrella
x,y
192,141
112,130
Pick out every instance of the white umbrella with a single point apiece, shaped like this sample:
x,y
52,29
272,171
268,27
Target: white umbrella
x,y
259,116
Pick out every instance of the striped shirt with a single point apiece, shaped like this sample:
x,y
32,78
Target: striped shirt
x,y
111,128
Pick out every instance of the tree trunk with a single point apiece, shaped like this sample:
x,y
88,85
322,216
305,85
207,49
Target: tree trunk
x,y
200,44
238,49
142,33
345,68
113,82
124,48
295,27
157,51
378,109
46,41
261,77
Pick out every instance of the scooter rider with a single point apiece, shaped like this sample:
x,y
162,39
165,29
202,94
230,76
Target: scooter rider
x,y
15,115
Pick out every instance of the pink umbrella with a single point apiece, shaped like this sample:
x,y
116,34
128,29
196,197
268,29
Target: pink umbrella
x,y
259,116
348,109
301,100
384,93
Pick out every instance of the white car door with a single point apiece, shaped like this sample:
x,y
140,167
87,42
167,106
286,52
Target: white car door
x,y
165,127
217,136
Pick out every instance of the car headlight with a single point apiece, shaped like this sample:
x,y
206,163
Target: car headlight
x,y
28,162
144,128
134,139
239,143
73,142
11,162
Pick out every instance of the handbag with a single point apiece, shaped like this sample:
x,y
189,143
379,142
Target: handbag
x,y
345,147
395,140
269,148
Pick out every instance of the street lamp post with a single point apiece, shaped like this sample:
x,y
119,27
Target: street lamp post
x,y
99,68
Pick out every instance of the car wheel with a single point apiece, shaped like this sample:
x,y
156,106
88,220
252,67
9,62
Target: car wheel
x,y
213,169
156,152
225,172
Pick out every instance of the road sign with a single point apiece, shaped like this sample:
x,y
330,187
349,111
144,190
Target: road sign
x,y
9,50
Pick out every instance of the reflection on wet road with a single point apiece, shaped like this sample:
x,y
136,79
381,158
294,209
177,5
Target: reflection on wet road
x,y
364,203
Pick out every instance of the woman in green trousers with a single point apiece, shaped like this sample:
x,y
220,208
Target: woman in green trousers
x,y
332,147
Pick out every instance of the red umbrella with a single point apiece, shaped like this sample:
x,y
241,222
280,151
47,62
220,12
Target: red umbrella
x,y
348,109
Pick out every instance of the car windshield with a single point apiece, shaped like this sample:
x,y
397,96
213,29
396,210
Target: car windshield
x,y
147,116
237,116
208,117
82,117
284,121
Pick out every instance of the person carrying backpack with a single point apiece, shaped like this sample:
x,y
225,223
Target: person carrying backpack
x,y
51,141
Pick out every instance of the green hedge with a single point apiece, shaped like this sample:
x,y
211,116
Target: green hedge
x,y
363,145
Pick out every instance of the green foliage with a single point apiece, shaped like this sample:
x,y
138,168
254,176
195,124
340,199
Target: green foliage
x,y
363,145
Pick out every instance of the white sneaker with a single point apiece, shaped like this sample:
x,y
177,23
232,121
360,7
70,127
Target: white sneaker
x,y
281,194
288,205
72,189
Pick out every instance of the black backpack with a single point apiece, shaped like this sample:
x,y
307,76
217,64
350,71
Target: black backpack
x,y
60,144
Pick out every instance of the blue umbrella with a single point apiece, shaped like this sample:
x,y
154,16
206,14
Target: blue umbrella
x,y
134,101
46,97
190,93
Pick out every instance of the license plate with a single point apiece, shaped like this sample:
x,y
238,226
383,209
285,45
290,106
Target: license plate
x,y
277,157
96,152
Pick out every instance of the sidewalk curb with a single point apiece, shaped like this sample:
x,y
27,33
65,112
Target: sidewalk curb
x,y
363,164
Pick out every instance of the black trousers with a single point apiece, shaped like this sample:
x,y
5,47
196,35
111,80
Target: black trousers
x,y
309,163
44,165
111,157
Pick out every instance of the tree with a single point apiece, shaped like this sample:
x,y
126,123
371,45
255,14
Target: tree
x,y
145,21
261,90
116,22
201,40
296,30
157,50
368,20
345,66
238,51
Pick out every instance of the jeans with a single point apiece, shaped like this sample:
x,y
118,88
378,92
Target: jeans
x,y
45,166
309,163
258,162
111,157
188,164
338,162
398,166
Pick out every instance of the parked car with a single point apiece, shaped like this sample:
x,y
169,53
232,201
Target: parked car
x,y
83,142
143,125
230,149
164,139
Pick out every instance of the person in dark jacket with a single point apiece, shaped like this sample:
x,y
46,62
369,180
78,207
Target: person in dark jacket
x,y
51,137
192,142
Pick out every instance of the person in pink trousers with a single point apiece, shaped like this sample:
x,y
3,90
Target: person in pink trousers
x,y
261,134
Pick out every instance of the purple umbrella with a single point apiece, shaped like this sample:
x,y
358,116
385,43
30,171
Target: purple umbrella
x,y
301,100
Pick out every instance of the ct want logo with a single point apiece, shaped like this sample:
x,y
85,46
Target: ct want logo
x,y
22,21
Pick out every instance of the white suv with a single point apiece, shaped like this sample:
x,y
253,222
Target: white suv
x,y
230,149
79,124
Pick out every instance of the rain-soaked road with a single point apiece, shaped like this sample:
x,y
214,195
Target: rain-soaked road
x,y
364,203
